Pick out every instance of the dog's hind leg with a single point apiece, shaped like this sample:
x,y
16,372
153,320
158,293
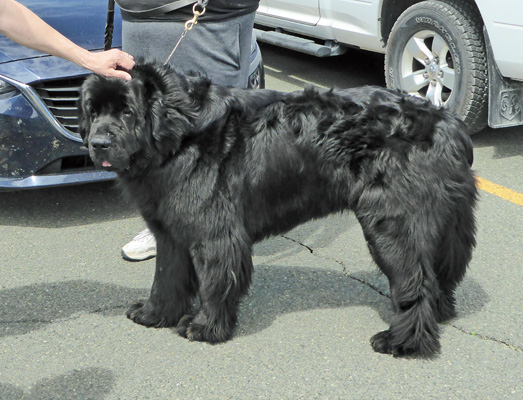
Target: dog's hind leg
x,y
406,257
224,269
173,289
453,256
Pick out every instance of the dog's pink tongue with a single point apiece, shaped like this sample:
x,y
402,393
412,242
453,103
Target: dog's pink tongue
x,y
106,164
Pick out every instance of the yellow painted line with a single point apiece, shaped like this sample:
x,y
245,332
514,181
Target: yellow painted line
x,y
500,191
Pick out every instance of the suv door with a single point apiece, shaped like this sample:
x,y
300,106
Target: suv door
x,y
305,11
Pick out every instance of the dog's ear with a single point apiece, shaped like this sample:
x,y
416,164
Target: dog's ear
x,y
169,110
168,125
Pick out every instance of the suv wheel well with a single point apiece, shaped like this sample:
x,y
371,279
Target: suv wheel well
x,y
392,9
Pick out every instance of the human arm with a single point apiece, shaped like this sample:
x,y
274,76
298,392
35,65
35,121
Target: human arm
x,y
23,26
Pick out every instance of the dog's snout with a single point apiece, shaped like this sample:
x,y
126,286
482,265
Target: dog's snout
x,y
100,143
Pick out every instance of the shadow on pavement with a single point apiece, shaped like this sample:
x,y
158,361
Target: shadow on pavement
x,y
89,383
29,308
276,291
507,142
64,206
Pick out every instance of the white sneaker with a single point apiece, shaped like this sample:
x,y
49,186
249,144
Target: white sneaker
x,y
142,247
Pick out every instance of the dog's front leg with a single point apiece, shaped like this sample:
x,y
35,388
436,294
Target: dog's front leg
x,y
224,269
173,288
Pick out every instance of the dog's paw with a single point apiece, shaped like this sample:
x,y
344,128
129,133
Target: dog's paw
x,y
144,314
380,342
183,325
424,347
191,329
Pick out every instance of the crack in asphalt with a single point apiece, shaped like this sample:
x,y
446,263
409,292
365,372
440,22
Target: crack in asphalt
x,y
344,268
299,243
485,337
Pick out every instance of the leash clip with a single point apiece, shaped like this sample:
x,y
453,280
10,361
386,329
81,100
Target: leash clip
x,y
196,13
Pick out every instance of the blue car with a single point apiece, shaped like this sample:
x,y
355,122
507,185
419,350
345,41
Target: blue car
x,y
39,141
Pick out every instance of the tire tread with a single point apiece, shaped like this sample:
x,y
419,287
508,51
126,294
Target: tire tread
x,y
468,20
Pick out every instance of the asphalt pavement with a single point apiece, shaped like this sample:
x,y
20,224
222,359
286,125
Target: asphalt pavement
x,y
303,330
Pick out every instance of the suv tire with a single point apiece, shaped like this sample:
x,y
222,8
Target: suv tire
x,y
436,51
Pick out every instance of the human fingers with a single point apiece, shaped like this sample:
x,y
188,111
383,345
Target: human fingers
x,y
120,74
124,60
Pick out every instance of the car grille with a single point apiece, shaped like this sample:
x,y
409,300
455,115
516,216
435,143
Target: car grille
x,y
60,96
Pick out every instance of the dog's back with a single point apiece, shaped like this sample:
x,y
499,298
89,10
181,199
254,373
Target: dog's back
x,y
334,145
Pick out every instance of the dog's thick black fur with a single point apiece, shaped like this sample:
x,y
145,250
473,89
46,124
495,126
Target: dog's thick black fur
x,y
214,170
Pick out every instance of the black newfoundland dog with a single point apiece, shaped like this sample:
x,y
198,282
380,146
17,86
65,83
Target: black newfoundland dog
x,y
214,170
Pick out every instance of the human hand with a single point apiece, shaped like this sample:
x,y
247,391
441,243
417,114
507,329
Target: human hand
x,y
112,63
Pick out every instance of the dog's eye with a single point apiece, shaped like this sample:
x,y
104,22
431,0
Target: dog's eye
x,y
127,111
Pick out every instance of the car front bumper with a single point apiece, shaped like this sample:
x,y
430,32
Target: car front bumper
x,y
36,150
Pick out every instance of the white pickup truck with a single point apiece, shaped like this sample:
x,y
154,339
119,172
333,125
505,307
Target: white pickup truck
x,y
466,55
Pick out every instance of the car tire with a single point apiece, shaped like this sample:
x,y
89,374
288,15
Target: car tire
x,y
436,51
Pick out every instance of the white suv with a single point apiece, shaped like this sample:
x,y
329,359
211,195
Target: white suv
x,y
466,55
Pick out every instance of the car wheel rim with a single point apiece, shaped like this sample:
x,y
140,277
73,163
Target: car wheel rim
x,y
427,68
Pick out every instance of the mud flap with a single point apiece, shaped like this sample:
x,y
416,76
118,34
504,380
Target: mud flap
x,y
505,95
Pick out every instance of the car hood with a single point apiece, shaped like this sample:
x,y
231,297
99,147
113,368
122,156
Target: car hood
x,y
40,68
83,22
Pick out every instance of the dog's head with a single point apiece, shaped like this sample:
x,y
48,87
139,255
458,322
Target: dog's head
x,y
142,120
